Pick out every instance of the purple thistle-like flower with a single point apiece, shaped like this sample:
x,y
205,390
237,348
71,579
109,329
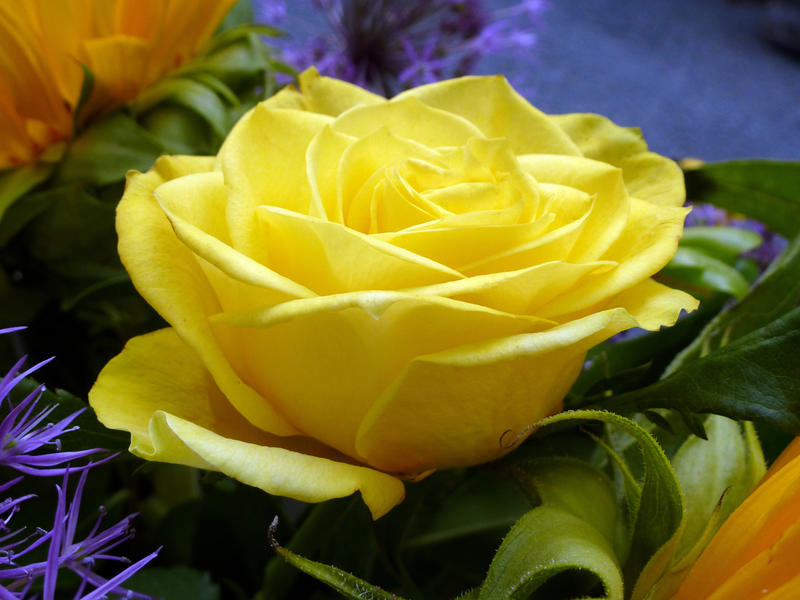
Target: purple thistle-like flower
x,y
24,430
390,45
77,556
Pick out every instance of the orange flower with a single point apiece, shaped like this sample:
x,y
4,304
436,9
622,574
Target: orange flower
x,y
756,552
127,44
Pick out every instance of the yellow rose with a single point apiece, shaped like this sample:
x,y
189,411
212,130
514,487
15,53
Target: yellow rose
x,y
363,290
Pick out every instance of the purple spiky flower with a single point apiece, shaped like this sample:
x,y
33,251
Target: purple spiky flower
x,y
25,430
391,45
64,552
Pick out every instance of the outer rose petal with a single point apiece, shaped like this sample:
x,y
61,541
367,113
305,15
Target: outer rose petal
x,y
159,390
322,95
369,336
499,111
167,275
648,176
468,405
263,160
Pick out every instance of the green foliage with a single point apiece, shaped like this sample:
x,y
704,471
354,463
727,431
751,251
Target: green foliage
x,y
768,191
755,378
175,583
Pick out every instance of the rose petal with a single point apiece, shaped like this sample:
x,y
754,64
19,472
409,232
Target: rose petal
x,y
460,246
195,205
159,390
263,160
520,292
326,360
410,119
646,244
608,215
501,112
329,258
488,393
648,176
167,275
653,305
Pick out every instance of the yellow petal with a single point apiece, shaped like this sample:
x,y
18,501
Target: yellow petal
x,y
499,112
408,118
346,349
646,244
329,258
195,205
329,96
653,304
769,571
488,393
459,246
608,215
648,176
263,160
167,275
160,391
519,292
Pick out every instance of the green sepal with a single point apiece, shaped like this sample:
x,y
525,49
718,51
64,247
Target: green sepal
x,y
576,487
653,510
483,503
343,582
545,543
765,190
87,86
721,470
755,378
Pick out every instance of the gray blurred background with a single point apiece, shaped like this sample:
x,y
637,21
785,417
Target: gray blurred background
x,y
699,77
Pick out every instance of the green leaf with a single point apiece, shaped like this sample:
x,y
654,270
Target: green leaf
x,y
343,582
15,183
545,543
768,191
696,267
191,95
775,293
180,131
175,583
620,366
721,242
755,378
108,149
483,503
